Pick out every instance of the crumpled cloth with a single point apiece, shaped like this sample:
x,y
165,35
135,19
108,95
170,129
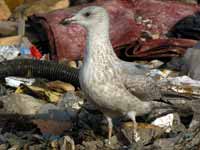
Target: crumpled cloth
x,y
129,19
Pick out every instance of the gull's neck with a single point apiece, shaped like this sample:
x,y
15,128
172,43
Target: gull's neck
x,y
99,48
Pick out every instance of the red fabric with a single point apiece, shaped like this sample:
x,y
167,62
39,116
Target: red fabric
x,y
68,42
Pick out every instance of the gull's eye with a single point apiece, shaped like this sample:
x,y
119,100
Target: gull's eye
x,y
87,14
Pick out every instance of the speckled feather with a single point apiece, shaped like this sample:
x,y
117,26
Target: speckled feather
x,y
102,76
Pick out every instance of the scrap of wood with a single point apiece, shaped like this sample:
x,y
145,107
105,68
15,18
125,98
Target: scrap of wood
x,y
12,4
42,6
4,11
8,27
13,40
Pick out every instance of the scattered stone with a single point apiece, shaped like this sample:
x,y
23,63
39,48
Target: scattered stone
x,y
3,90
165,122
52,127
20,104
71,103
8,28
37,147
72,64
3,146
165,144
93,145
67,144
51,120
15,147
114,143
146,132
55,144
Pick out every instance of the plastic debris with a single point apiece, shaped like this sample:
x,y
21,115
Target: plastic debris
x,y
27,48
38,92
165,122
16,81
8,52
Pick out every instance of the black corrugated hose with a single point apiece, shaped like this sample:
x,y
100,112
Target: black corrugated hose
x,y
39,69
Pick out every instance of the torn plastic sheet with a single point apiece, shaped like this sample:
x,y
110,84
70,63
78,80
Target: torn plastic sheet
x,y
8,52
181,84
17,81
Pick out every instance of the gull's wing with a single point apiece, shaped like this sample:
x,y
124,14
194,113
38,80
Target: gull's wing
x,y
145,88
137,82
132,68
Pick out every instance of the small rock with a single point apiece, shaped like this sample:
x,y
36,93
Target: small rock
x,y
21,104
165,122
71,102
52,127
93,145
51,120
165,144
67,144
146,132
37,147
15,147
114,143
72,64
3,147
2,140
3,90
55,145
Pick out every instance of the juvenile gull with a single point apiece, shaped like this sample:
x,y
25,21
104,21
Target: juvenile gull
x,y
116,87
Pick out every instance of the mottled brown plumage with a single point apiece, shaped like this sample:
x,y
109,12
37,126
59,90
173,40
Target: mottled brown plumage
x,y
115,86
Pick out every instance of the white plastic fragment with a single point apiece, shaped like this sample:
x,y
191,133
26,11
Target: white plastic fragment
x,y
165,122
8,52
16,81
162,74
184,80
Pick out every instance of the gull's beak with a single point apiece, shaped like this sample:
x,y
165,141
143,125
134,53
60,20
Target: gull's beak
x,y
68,21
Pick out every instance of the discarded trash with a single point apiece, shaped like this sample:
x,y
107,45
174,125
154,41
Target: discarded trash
x,y
28,49
32,7
8,52
4,11
125,30
41,93
16,81
60,86
165,122
10,41
46,109
8,28
41,69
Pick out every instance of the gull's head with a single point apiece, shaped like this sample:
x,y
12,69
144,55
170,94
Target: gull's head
x,y
89,17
